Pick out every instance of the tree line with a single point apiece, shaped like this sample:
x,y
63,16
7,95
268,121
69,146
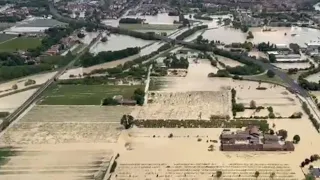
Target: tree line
x,y
131,20
172,61
89,59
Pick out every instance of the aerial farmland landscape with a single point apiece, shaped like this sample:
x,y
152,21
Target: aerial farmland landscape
x,y
168,90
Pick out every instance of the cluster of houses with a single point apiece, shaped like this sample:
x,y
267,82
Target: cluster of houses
x,y
251,139
64,44
10,11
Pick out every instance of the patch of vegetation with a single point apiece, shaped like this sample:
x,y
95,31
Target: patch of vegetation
x,y
5,153
265,78
264,47
29,82
85,94
131,21
250,35
213,123
311,117
138,95
4,114
270,74
20,43
53,36
12,69
200,16
173,62
106,56
236,107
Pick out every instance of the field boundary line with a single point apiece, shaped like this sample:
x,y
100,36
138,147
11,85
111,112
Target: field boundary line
x,y
8,40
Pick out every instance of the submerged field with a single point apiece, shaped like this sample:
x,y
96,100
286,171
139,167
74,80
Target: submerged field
x,y
85,94
21,43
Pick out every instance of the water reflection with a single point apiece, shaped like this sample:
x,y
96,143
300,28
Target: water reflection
x,y
115,42
277,35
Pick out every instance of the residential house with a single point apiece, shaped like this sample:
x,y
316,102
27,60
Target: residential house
x,y
252,140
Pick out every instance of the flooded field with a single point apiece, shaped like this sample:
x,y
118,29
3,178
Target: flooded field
x,y
34,24
115,42
277,35
161,18
314,78
291,65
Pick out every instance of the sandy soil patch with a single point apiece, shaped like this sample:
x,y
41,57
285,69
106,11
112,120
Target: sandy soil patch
x,y
283,102
185,105
12,102
67,124
39,78
66,162
63,132
314,78
252,113
48,113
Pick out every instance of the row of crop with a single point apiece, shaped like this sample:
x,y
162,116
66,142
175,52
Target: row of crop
x,y
151,123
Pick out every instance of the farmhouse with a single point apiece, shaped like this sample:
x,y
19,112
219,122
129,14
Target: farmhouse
x,y
252,140
313,48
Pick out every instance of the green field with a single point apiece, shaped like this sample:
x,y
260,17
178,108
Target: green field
x,y
5,37
85,94
20,43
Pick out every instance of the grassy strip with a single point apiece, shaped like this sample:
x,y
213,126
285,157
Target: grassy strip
x,y
265,78
82,94
20,43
